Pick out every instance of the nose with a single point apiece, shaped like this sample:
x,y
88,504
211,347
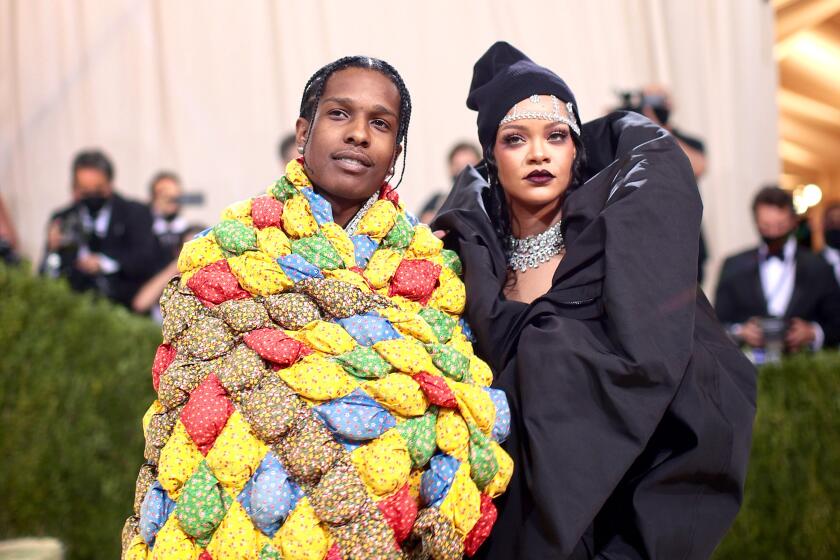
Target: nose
x,y
538,154
358,133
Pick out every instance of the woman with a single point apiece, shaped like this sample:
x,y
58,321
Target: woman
x,y
316,394
632,411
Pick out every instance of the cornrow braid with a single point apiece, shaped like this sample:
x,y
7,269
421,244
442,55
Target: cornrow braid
x,y
315,87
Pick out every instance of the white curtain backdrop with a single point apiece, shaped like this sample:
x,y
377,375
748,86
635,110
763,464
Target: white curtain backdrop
x,y
206,88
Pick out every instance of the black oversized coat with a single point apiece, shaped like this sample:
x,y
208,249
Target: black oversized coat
x,y
632,410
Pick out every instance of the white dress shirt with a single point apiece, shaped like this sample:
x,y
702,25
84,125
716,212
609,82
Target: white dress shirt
x,y
778,278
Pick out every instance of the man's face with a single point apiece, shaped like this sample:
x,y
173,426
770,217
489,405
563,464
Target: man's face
x,y
90,182
773,222
832,219
460,160
165,202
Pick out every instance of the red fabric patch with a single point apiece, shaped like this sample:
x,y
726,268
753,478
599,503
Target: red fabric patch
x,y
205,556
275,346
415,279
400,511
206,413
334,553
436,389
266,211
215,283
387,192
481,529
163,357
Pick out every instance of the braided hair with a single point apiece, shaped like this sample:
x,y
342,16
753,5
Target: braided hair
x,y
315,88
496,204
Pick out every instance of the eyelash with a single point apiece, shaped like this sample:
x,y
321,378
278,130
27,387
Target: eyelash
x,y
516,139
378,123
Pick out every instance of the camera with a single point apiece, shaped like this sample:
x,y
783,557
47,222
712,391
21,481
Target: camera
x,y
636,101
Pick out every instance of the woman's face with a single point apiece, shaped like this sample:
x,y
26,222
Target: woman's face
x,y
352,143
534,157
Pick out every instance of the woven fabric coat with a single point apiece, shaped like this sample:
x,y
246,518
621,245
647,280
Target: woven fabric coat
x,y
317,393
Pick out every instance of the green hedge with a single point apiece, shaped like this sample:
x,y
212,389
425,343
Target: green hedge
x,y
74,383
792,503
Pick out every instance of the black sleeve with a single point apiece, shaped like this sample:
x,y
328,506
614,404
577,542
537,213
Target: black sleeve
x,y
828,307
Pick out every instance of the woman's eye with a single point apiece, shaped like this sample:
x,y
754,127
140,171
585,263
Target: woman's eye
x,y
513,139
558,135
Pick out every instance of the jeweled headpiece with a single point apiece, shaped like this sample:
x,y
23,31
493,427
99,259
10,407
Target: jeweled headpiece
x,y
554,116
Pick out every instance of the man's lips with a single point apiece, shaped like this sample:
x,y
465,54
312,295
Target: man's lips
x,y
353,159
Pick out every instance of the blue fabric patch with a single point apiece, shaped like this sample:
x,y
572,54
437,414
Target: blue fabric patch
x,y
412,219
349,445
466,329
356,417
501,429
156,508
203,233
368,329
321,209
270,495
297,268
364,247
437,480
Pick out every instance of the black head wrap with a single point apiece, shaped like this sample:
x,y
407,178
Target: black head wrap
x,y
504,76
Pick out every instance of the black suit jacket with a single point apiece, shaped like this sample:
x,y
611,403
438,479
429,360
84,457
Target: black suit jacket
x,y
129,241
815,298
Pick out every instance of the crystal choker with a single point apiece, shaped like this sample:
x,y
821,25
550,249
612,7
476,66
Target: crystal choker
x,y
534,250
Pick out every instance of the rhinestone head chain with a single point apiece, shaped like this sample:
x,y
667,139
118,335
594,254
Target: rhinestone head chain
x,y
553,116
534,250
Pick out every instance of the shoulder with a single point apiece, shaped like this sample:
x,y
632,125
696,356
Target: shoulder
x,y
740,262
130,207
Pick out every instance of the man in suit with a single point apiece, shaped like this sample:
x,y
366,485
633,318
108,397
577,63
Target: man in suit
x,y
779,280
831,233
101,242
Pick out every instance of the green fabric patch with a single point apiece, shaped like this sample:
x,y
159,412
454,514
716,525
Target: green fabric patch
x,y
420,436
268,552
235,237
283,189
452,260
400,235
202,505
317,250
364,363
452,363
483,463
441,323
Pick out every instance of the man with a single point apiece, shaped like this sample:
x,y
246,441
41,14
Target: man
x,y
779,280
831,233
168,226
102,242
287,150
461,155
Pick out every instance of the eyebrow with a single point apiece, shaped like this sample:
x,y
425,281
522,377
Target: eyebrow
x,y
381,109
510,126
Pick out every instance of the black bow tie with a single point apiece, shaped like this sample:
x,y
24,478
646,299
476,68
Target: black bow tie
x,y
776,255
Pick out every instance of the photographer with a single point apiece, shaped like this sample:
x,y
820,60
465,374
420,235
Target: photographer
x,y
778,296
654,102
102,242
168,226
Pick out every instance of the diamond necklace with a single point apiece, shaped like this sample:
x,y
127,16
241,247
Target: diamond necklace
x,y
351,226
534,250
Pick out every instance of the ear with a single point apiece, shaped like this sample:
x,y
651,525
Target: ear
x,y
301,129
397,153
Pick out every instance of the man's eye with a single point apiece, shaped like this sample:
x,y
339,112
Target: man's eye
x,y
379,123
337,113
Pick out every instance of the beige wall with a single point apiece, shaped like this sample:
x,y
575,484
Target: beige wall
x,y
206,88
